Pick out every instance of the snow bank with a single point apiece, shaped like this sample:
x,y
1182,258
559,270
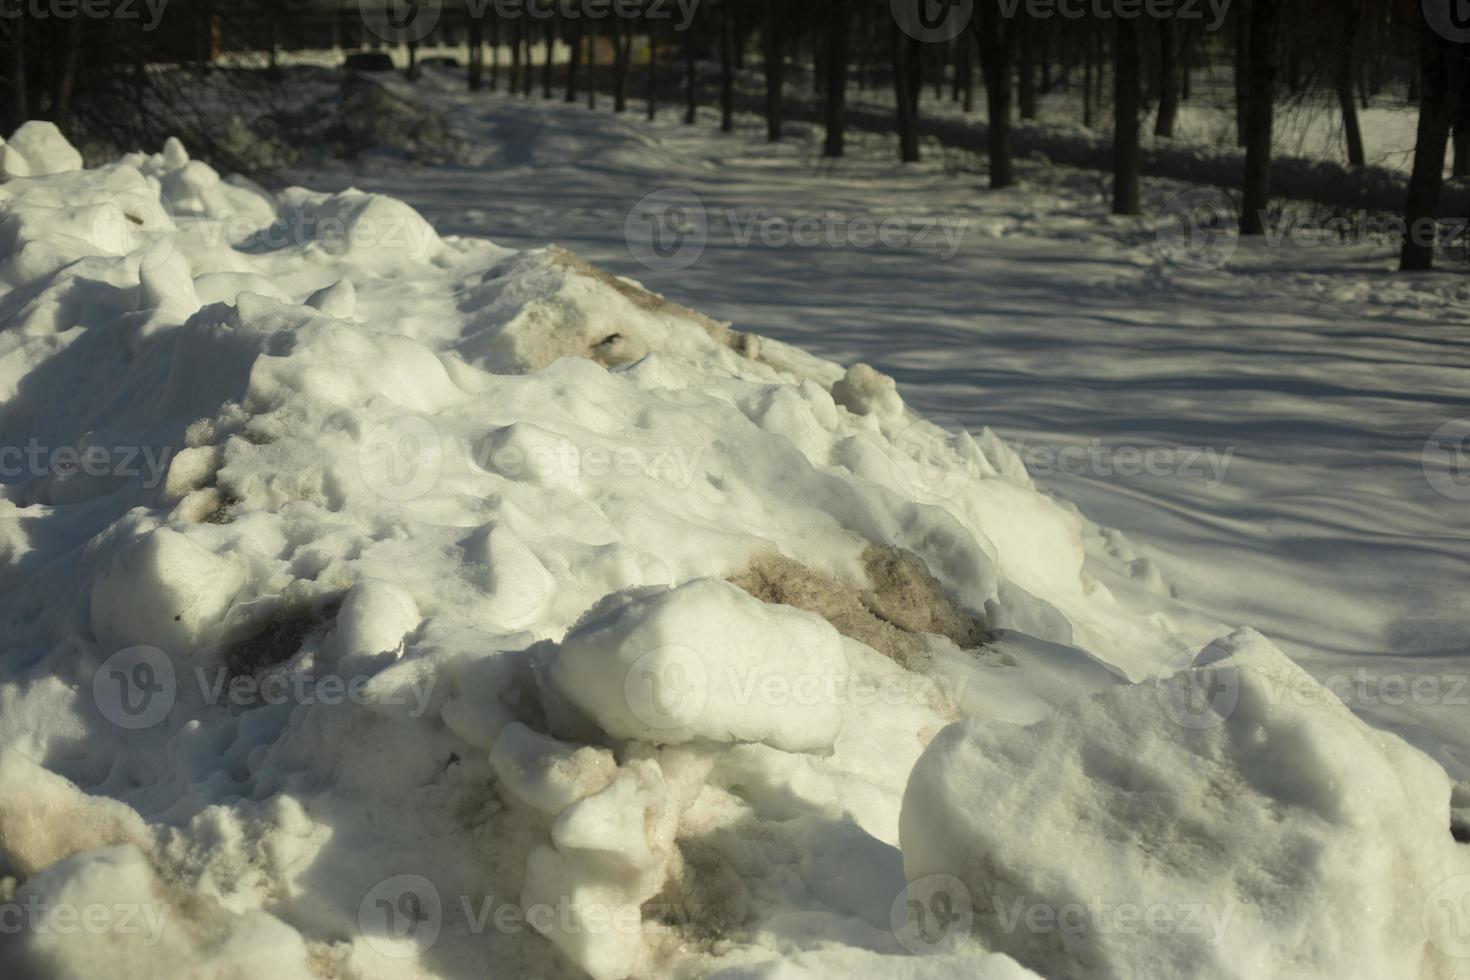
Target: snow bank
x,y
401,605
673,666
1233,820
105,913
36,149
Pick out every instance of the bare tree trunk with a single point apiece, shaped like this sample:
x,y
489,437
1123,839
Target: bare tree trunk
x,y
1416,77
622,53
593,37
1461,165
965,71
997,38
1376,65
494,54
903,96
652,72
1259,107
528,66
19,105
574,64
727,68
1242,68
515,57
477,54
773,42
836,40
203,33
916,79
1186,63
957,55
1442,65
819,63
548,68
1346,61
1044,52
1127,157
1026,71
1088,83
67,81
1168,78
691,78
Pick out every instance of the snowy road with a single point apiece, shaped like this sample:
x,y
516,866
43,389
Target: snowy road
x,y
1257,434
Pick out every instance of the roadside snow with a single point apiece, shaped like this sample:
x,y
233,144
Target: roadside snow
x,y
382,602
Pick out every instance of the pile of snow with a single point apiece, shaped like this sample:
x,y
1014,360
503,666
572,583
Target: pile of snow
x,y
36,149
388,604
1234,820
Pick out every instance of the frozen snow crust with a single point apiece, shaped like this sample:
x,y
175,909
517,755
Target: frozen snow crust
x,y
378,604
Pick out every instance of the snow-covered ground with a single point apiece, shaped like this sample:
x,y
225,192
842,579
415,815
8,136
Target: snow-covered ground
x,y
381,601
1281,408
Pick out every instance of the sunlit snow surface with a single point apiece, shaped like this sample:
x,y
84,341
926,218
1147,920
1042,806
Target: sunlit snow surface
x,y
369,611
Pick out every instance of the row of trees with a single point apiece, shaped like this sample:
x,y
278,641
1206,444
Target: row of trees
x,y
1120,69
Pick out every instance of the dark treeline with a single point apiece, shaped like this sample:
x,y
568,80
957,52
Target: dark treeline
x,y
1014,56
